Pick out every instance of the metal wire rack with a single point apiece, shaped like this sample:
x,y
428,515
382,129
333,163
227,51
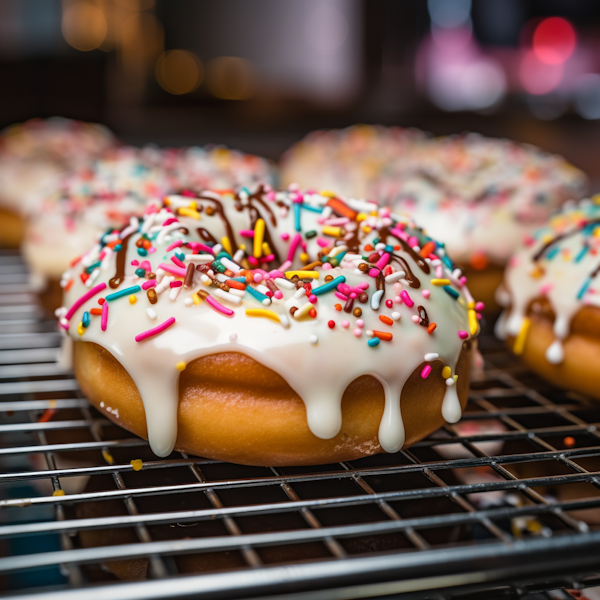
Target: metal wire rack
x,y
505,504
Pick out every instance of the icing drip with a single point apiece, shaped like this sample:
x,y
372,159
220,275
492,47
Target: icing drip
x,y
317,331
559,266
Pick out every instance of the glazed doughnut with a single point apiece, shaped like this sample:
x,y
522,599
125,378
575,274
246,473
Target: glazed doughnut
x,y
107,192
272,328
552,319
32,156
492,191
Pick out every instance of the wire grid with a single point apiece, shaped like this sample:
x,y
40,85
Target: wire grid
x,y
508,497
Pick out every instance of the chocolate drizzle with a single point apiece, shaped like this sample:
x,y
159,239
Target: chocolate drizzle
x,y
117,280
412,279
560,237
424,316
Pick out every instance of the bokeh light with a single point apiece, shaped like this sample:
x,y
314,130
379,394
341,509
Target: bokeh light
x,y
554,40
84,26
538,77
179,71
449,13
587,96
231,78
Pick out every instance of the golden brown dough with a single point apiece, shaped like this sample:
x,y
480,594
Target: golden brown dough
x,y
12,229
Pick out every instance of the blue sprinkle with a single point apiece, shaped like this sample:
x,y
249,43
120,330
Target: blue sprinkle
x,y
552,253
297,216
141,251
85,320
221,255
374,341
584,288
118,247
582,253
389,249
451,292
180,256
317,209
341,255
448,263
329,286
140,272
126,292
257,295
92,267
240,279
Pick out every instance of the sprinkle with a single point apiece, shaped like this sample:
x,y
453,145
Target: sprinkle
x,y
463,335
582,253
218,306
151,313
152,297
104,317
233,337
186,211
440,282
406,298
256,294
132,299
126,292
136,464
178,271
376,299
427,249
108,457
395,277
332,231
383,335
329,286
313,339
302,274
199,258
345,324
331,324
262,312
425,372
386,320
297,224
473,322
431,356
80,328
180,366
175,244
373,342
293,246
416,319
451,292
522,337
259,234
341,208
426,294
584,288
396,316
196,298
96,311
303,311
85,319
446,372
431,327
95,290
58,493
155,331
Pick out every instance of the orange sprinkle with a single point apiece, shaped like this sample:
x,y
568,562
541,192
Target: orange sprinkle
x,y
75,261
479,261
146,244
386,320
384,336
69,285
312,313
338,307
238,285
113,243
96,311
368,248
396,248
48,414
84,277
427,249
569,441
341,208
431,328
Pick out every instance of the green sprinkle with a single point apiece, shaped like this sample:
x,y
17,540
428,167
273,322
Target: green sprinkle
x,y
310,234
126,292
374,341
140,272
451,292
142,251
92,267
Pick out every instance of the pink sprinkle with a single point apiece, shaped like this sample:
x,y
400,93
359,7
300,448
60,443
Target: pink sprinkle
x,y
147,284
151,250
399,233
285,236
463,335
146,265
134,263
169,221
544,289
270,196
155,330
252,261
360,323
385,258
278,294
479,316
413,241
95,290
285,266
178,262
247,233
327,266
353,295
425,372
398,300
425,294
407,299
203,247
104,317
341,296
373,272
176,284
312,299
364,285
463,280
389,303
218,306
266,259
416,319
345,324
257,277
293,246
173,270
357,332
174,245
479,306
337,221
322,243
275,273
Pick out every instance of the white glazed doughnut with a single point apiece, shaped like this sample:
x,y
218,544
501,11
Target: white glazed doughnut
x,y
271,328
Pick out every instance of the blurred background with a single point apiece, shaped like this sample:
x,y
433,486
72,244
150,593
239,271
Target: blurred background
x,y
259,74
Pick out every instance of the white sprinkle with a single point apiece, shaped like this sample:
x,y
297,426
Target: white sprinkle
x,y
236,292
395,277
286,284
369,332
238,256
233,337
175,292
449,382
230,265
431,356
60,312
205,279
217,248
303,311
102,404
396,316
199,258
376,299
188,302
266,302
226,296
284,321
300,293
151,313
379,247
313,339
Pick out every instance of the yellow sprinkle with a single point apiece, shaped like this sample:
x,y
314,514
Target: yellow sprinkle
x,y
167,201
446,372
302,274
80,328
471,305
473,322
304,257
303,311
337,250
547,238
332,231
259,235
227,245
132,299
189,212
180,366
263,312
360,217
137,464
58,493
596,198
440,282
51,403
455,378
536,273
367,229
266,249
373,213
108,457
522,336
196,298
597,232
328,194
243,247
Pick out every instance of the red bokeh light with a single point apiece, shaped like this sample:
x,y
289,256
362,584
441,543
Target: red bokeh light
x,y
538,77
554,40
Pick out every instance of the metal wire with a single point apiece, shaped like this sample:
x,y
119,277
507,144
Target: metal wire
x,y
504,504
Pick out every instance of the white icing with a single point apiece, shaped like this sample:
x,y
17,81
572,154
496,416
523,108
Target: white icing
x,y
317,362
558,275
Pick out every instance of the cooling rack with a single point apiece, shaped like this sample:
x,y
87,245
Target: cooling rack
x,y
505,504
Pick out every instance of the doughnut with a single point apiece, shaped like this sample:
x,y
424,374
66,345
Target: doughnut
x,y
107,192
271,328
552,298
492,191
32,155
